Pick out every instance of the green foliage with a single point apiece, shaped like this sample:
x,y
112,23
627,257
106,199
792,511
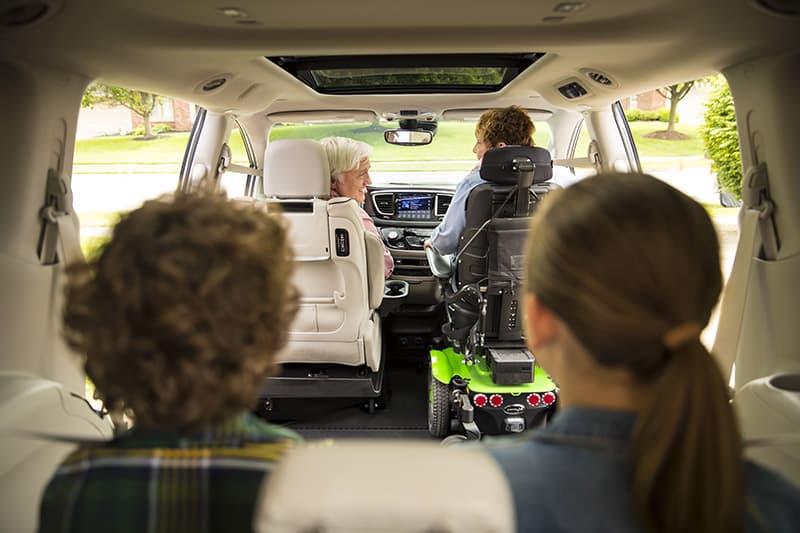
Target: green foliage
x,y
158,128
721,138
140,102
660,115
93,245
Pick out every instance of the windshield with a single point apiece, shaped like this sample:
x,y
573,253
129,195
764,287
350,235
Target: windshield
x,y
443,162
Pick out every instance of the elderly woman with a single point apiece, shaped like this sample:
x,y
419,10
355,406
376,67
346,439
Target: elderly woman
x,y
179,317
349,163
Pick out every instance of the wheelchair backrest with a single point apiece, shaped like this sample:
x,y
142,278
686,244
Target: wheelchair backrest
x,y
491,251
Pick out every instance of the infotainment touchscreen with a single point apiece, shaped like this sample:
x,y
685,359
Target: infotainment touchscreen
x,y
414,206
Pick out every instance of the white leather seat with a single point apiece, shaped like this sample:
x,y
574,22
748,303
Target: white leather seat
x,y
40,423
768,409
338,264
389,486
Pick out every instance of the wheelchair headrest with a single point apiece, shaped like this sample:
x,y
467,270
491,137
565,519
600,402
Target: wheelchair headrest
x,y
498,165
296,168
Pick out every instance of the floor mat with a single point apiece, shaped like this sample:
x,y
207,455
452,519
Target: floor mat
x,y
403,413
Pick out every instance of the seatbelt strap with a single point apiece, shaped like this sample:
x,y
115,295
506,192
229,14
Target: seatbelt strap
x,y
593,159
731,311
758,238
226,164
60,239
756,195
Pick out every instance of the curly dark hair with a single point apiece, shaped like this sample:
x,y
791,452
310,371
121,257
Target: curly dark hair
x,y
510,125
181,313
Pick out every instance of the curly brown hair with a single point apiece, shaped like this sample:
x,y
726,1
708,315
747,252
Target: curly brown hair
x,y
511,125
181,313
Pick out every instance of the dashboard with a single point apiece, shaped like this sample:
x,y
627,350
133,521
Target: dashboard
x,y
405,218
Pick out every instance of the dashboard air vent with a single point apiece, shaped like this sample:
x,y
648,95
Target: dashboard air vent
x,y
442,203
384,204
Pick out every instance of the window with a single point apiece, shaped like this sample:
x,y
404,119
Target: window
x,y
431,73
162,112
443,162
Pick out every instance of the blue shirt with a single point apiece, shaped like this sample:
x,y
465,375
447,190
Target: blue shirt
x,y
445,237
572,476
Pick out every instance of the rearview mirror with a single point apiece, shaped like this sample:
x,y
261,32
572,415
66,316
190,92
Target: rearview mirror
x,y
418,137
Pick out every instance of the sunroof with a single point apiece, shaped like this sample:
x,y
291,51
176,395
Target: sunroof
x,y
408,74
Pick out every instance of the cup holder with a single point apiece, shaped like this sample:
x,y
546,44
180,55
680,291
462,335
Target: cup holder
x,y
395,289
786,382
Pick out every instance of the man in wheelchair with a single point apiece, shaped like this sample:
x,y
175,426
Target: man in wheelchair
x,y
487,380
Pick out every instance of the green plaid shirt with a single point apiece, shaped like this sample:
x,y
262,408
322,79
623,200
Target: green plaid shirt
x,y
146,481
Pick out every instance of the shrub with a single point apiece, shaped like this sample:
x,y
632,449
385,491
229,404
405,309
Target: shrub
x,y
93,245
721,138
157,128
661,115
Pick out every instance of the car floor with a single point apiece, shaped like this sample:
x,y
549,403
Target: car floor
x,y
401,413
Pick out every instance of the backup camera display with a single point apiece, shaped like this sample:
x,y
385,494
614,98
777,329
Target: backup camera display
x,y
414,206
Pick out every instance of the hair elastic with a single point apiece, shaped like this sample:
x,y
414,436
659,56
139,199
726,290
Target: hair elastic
x,y
682,334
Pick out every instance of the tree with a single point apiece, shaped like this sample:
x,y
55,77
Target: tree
x,y
675,93
140,102
721,138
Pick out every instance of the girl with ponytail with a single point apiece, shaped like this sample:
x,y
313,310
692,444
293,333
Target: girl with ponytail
x,y
623,272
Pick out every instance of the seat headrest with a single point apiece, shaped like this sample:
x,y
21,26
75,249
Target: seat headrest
x,y
296,168
498,165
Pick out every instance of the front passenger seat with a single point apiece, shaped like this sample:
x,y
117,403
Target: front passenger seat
x,y
334,344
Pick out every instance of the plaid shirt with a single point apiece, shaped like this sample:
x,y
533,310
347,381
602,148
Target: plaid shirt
x,y
148,481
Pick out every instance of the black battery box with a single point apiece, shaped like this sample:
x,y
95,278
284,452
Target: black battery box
x,y
510,366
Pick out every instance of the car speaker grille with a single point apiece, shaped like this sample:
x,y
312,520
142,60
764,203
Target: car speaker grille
x,y
384,204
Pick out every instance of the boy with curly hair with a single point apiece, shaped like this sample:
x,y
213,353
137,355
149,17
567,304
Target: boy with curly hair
x,y
180,316
496,128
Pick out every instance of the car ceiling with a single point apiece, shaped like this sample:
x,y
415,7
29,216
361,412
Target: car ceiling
x,y
174,47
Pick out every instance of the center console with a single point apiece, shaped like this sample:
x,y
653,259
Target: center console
x,y
405,218
400,238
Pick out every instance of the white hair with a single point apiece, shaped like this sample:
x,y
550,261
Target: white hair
x,y
344,154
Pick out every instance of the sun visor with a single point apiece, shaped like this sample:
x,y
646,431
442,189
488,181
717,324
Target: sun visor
x,y
323,116
473,114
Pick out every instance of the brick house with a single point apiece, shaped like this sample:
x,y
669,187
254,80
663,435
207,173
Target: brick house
x,y
645,101
177,114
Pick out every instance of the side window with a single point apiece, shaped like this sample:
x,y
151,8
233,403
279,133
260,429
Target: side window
x,y
128,150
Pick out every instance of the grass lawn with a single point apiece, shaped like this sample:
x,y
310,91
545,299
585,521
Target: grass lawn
x,y
648,148
453,142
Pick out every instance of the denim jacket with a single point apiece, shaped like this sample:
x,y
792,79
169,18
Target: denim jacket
x,y
445,237
572,476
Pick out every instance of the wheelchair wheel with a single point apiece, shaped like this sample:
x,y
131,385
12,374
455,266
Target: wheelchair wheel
x,y
438,407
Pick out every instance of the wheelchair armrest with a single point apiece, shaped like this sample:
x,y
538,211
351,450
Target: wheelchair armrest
x,y
441,266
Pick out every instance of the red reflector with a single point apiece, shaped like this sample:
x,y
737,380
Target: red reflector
x,y
549,398
480,400
496,400
534,399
